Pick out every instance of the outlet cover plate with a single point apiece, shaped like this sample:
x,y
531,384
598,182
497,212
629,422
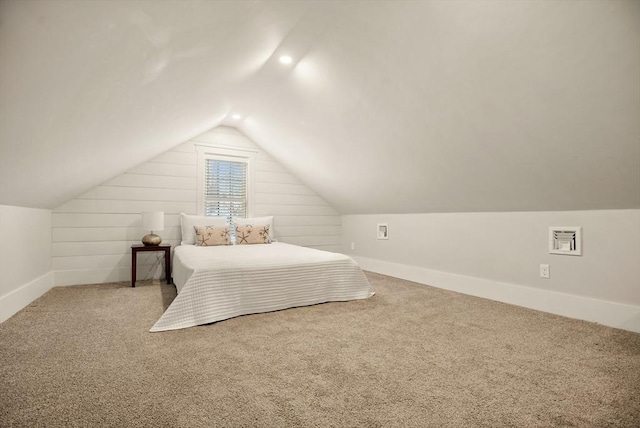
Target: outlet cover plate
x,y
544,271
383,231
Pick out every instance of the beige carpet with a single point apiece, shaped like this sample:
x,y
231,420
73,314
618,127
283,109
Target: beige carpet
x,y
411,356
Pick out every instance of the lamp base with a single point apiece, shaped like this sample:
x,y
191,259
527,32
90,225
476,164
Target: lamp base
x,y
151,240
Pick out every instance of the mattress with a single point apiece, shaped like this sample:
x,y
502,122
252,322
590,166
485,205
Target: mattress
x,y
222,282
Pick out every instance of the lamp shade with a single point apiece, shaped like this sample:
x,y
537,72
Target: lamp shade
x,y
153,221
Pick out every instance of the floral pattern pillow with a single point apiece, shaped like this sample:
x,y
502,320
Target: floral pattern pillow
x,y
248,234
212,235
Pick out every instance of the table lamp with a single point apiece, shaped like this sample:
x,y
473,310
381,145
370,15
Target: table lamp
x,y
152,221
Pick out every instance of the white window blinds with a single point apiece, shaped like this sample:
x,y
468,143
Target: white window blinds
x,y
225,188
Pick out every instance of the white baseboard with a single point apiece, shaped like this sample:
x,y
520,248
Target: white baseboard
x,y
17,299
618,315
103,275
91,276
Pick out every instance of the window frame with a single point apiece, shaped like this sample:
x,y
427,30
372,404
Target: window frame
x,y
206,152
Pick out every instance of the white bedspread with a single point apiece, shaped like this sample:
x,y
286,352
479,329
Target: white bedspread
x,y
217,283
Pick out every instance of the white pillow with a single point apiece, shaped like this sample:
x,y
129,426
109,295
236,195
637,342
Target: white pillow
x,y
256,221
189,221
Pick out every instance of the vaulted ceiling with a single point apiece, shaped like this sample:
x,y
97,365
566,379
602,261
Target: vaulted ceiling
x,y
387,107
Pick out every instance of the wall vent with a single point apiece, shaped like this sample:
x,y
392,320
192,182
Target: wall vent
x,y
565,240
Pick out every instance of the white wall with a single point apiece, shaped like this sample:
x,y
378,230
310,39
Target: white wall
x,y
93,233
497,255
25,257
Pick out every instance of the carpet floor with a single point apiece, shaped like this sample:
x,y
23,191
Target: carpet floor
x,y
411,356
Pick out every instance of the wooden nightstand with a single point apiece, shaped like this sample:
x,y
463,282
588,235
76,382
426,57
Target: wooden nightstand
x,y
167,259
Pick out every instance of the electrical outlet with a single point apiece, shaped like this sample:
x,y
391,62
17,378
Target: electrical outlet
x,y
544,271
353,245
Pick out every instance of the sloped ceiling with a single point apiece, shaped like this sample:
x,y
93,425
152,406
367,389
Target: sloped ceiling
x,y
388,107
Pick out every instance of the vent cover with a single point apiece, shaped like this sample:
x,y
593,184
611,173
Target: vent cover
x,y
565,240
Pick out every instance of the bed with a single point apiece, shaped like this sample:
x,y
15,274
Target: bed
x,y
221,282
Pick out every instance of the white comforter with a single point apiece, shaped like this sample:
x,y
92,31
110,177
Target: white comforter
x,y
217,283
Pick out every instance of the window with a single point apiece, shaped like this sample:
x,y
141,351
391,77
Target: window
x,y
224,182
225,188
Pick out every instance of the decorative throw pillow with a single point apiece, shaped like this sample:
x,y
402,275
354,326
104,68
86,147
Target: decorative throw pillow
x,y
212,235
249,234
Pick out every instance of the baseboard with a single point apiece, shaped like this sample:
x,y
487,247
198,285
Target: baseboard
x,y
17,299
618,315
103,275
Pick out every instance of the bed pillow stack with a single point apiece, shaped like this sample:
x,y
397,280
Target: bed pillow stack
x,y
207,231
189,222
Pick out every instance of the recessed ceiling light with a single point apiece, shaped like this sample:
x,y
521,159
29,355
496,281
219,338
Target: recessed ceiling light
x,y
236,116
286,59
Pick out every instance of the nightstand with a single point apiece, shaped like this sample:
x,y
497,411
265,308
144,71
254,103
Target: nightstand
x,y
135,249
